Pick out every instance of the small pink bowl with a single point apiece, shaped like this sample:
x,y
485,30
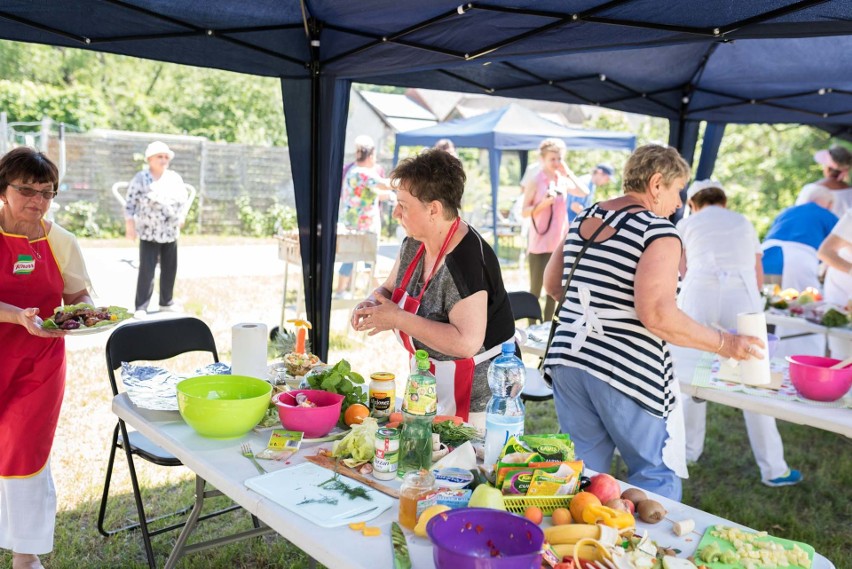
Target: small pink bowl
x,y
813,380
316,421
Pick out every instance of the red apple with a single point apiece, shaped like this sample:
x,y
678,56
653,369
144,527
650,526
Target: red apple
x,y
621,504
605,487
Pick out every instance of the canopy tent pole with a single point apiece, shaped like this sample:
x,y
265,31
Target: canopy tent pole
x,y
713,133
683,136
524,157
494,156
317,187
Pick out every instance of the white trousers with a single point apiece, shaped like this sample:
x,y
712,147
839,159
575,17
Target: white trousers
x,y
28,513
766,444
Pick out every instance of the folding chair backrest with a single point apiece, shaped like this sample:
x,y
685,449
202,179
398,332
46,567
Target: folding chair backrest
x,y
524,305
153,340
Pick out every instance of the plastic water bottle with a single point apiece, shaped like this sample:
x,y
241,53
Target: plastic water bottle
x,y
504,415
419,407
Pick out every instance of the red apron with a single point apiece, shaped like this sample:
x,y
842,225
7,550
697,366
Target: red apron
x,y
32,374
454,378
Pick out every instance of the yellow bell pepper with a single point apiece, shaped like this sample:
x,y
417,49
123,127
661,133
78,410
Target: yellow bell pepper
x,y
607,516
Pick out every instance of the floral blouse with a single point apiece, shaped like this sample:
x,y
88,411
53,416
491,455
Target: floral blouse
x,y
359,200
158,207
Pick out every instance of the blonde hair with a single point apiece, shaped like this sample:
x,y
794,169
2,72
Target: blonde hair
x,y
552,145
649,160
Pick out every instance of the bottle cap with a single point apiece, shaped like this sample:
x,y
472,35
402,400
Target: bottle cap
x,y
508,348
422,359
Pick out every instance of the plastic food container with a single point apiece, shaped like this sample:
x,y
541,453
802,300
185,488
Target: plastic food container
x,y
316,421
452,478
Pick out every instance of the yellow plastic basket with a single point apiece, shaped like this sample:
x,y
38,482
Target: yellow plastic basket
x,y
517,504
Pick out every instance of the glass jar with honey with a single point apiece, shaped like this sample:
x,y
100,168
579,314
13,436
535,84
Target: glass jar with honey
x,y
417,485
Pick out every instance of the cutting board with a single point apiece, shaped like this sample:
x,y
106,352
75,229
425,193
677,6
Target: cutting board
x,y
297,489
726,545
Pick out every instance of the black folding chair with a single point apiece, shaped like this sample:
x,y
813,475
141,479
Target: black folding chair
x,y
525,305
150,341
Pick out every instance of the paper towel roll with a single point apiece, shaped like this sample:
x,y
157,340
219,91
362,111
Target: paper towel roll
x,y
248,350
754,371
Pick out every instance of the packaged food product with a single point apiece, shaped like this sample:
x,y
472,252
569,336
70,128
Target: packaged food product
x,y
382,394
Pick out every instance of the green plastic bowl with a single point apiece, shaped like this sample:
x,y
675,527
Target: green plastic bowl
x,y
223,406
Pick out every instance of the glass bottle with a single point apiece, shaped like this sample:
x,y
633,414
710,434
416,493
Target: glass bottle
x,y
419,407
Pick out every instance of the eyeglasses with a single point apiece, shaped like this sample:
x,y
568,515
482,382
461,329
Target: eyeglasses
x,y
28,192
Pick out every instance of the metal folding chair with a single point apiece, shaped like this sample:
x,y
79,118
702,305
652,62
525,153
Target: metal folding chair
x,y
151,341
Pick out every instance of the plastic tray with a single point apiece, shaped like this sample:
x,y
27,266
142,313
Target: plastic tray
x,y
517,504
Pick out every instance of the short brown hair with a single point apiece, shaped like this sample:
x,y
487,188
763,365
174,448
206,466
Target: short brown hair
x,y
841,156
709,196
649,160
433,175
28,165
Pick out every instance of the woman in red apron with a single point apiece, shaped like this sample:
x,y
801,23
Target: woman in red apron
x,y
33,281
445,293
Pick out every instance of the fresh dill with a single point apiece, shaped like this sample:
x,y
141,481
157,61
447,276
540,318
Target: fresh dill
x,y
335,484
324,500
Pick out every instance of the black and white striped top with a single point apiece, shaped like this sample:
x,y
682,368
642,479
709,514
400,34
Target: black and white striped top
x,y
618,348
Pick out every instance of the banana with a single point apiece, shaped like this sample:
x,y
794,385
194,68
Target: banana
x,y
571,533
585,552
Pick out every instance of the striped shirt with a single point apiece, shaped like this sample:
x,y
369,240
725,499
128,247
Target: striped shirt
x,y
598,329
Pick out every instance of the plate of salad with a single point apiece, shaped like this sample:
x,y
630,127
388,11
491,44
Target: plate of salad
x,y
84,318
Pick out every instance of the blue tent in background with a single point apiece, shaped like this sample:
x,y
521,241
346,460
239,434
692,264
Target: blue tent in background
x,y
511,128
687,61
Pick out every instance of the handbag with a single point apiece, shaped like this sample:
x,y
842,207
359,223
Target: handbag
x,y
555,320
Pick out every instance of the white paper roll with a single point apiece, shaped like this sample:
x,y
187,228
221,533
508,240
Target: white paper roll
x,y
754,371
248,350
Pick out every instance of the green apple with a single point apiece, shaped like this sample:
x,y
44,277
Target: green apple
x,y
486,496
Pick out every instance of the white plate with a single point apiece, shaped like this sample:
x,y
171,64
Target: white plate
x,y
83,331
297,487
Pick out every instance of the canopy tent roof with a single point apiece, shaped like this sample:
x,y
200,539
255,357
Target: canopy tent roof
x,y
746,61
513,128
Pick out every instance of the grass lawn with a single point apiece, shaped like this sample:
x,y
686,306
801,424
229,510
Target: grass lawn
x,y
725,482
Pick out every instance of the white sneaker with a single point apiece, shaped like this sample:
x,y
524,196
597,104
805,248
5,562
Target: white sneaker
x,y
140,314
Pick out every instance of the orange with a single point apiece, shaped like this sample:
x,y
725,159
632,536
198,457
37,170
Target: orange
x,y
579,503
356,413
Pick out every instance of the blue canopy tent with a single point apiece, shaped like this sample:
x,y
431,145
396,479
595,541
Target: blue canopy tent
x,y
686,61
512,127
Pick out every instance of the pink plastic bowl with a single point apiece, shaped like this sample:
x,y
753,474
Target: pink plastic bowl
x,y
316,421
812,378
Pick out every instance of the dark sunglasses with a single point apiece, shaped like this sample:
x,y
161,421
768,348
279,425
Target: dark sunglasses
x,y
28,192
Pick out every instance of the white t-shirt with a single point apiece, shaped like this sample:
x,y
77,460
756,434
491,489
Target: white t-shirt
x,y
717,238
842,198
69,257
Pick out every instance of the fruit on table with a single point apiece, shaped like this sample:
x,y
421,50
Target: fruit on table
x,y
650,511
586,551
621,504
561,516
594,514
534,514
635,495
572,533
356,413
683,527
579,503
605,487
428,514
486,496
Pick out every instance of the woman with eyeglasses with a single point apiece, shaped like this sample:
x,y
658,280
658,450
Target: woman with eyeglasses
x,y
41,268
835,163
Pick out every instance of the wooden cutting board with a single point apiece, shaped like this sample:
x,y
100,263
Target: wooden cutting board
x,y
344,470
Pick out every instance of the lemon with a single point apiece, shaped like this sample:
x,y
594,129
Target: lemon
x,y
428,514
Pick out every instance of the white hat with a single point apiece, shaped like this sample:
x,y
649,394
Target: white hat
x,y
158,147
699,185
365,142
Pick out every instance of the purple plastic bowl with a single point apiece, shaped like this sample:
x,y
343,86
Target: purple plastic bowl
x,y
480,538
812,378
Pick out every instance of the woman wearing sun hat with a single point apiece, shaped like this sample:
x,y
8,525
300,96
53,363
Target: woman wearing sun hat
x,y
835,163
722,276
157,204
